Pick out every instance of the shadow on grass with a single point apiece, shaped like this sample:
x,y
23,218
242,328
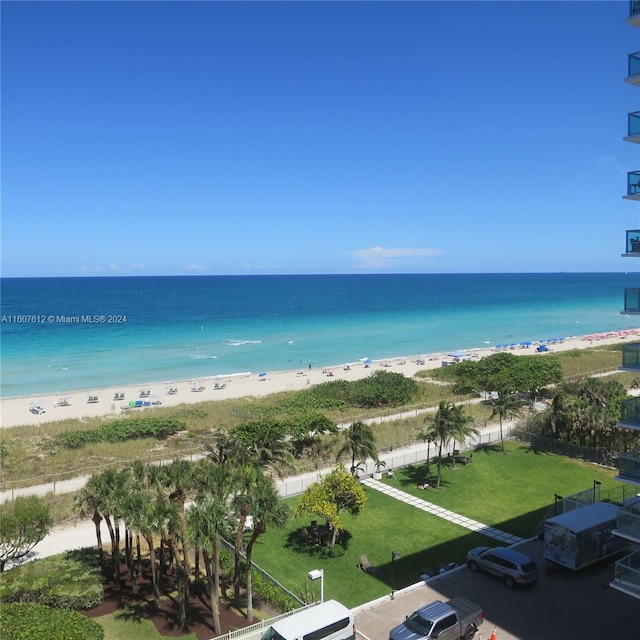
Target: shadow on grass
x,y
489,448
530,448
415,474
299,541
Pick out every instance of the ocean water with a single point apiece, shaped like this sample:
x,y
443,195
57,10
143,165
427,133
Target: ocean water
x,y
66,334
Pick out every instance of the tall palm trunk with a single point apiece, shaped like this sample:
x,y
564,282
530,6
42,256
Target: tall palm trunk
x,y
252,540
115,543
183,587
210,565
154,571
97,519
237,573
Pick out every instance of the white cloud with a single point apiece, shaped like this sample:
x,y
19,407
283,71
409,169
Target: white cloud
x,y
378,257
260,267
114,266
195,267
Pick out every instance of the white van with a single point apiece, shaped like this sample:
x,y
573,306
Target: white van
x,y
327,621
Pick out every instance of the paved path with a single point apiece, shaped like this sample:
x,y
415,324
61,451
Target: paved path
x,y
435,510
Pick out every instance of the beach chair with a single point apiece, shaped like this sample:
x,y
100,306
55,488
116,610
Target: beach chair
x,y
366,566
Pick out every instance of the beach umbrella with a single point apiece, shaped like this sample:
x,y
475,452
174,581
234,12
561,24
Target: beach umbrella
x,y
526,343
262,375
457,354
367,361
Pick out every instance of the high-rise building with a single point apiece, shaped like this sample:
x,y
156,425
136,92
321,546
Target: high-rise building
x,y
627,570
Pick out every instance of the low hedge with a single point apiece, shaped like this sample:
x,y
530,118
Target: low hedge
x,y
120,430
38,622
69,580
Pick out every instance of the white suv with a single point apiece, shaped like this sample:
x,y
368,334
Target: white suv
x,y
513,567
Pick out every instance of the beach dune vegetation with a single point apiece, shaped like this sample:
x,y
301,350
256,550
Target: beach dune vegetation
x,y
381,388
120,430
505,373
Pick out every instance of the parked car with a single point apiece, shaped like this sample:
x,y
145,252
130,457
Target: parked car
x,y
512,566
454,620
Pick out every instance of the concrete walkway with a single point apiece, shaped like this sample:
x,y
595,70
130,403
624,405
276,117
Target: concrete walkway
x,y
435,510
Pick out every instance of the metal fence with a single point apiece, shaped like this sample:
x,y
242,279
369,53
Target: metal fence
x,y
256,629
544,443
229,548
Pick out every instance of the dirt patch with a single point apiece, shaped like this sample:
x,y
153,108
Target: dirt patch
x,y
139,605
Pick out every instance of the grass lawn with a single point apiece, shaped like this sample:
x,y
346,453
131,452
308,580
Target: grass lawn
x,y
119,626
511,492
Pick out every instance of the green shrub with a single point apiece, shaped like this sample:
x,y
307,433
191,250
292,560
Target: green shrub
x,y
120,430
38,622
67,581
273,594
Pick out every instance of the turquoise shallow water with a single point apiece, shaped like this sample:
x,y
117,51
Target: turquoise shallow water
x,y
64,334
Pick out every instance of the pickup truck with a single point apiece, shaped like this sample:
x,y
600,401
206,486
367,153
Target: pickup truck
x,y
454,620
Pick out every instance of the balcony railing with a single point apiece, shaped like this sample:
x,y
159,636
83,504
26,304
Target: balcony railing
x,y
631,300
631,356
628,525
627,575
629,468
633,127
630,415
633,242
634,13
633,185
633,76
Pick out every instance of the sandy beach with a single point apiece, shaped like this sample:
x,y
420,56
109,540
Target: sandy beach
x,y
114,401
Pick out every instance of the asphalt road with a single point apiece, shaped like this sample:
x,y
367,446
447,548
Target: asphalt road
x,y
563,605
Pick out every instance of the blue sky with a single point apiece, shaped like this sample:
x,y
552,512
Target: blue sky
x,y
315,137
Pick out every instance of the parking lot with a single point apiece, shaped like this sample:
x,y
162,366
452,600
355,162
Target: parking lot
x,y
563,605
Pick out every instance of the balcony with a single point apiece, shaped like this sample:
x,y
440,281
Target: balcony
x,y
631,301
627,575
633,185
634,69
630,417
631,357
628,523
632,248
634,13
633,128
629,469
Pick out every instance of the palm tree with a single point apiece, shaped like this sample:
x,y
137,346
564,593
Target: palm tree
x,y
103,494
266,508
505,407
443,425
245,481
360,443
90,500
207,520
462,425
426,434
177,478
223,448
